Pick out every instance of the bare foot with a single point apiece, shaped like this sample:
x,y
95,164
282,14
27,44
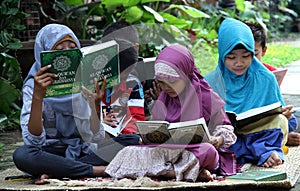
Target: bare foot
x,y
273,160
41,180
99,171
205,176
293,139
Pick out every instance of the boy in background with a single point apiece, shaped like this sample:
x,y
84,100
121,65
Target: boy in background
x,y
260,37
128,97
127,31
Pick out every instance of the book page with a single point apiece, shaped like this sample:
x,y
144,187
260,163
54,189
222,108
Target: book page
x,y
186,123
145,68
154,132
256,111
190,132
115,131
96,47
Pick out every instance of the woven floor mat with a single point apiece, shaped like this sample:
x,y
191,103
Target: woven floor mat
x,y
291,166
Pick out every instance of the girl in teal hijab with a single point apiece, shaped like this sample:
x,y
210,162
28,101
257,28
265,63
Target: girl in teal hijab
x,y
244,83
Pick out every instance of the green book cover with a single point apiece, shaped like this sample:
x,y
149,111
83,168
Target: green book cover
x,y
257,175
65,64
98,61
77,67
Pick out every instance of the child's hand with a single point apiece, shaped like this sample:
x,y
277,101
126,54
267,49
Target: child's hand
x,y
111,119
155,92
216,141
287,111
42,80
96,97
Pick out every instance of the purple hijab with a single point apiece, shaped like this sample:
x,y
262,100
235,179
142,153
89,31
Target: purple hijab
x,y
196,99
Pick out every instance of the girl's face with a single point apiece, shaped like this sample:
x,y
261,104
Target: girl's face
x,y
172,87
238,61
65,45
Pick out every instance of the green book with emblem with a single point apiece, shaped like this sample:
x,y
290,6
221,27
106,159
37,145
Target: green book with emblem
x,y
259,175
79,67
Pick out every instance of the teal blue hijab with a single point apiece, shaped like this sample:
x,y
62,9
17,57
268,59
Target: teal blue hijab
x,y
256,87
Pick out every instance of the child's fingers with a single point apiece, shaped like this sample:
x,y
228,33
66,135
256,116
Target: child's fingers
x,y
43,69
86,91
103,86
96,85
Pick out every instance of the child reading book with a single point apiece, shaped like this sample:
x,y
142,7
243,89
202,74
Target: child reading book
x,y
62,135
244,83
126,99
260,37
185,96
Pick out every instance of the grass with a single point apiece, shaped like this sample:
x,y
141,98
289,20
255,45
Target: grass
x,y
278,55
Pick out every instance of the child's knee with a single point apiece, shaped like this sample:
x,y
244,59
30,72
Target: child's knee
x,y
210,157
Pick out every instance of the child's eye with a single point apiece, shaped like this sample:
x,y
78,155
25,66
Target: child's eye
x,y
230,57
172,81
73,45
246,55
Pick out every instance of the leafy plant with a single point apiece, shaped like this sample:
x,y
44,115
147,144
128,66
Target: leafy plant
x,y
10,71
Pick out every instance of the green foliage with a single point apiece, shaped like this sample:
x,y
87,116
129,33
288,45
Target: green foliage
x,y
1,147
10,20
10,85
200,22
206,56
166,22
10,71
279,55
132,14
189,11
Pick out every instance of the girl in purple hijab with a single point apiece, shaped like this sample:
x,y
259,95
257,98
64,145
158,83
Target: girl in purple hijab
x,y
175,66
185,96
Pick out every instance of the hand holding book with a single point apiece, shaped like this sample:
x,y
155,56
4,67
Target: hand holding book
x,y
96,97
111,119
77,67
42,80
287,111
216,141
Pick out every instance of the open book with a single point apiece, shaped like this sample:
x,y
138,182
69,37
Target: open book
x,y
279,74
242,119
159,132
121,120
79,67
145,72
145,69
121,124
